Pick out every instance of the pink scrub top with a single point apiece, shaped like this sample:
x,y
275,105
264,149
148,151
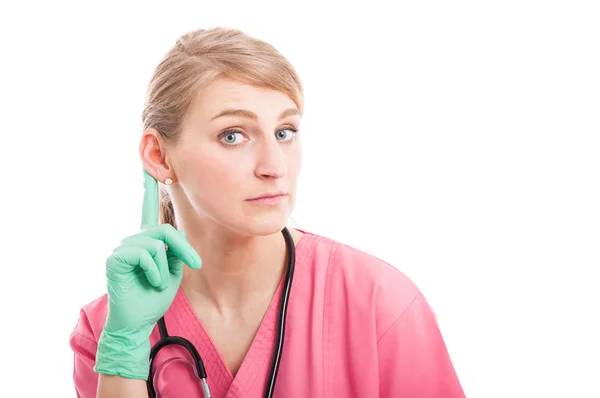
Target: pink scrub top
x,y
356,327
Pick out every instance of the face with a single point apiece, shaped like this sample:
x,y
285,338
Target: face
x,y
226,161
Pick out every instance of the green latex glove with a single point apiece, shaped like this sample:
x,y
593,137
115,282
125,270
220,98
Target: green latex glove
x,y
143,277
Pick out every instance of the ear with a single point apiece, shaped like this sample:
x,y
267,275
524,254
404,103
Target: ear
x,y
154,155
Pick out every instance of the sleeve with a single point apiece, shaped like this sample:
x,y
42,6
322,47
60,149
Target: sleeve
x,y
413,358
84,345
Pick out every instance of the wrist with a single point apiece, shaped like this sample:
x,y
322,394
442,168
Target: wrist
x,y
123,354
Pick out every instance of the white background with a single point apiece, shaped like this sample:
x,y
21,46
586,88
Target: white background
x,y
457,140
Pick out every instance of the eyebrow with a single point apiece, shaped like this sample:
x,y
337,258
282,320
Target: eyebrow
x,y
251,115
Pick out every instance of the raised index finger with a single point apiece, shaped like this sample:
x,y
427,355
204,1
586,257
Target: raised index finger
x,y
150,203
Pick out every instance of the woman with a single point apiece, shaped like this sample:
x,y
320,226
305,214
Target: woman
x,y
221,136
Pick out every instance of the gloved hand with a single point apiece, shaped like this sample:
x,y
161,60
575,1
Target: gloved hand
x,y
143,277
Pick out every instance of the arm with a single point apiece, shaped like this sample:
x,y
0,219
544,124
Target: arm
x,y
89,383
413,359
84,349
120,387
142,281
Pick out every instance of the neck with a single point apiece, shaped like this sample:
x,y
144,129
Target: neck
x,y
238,272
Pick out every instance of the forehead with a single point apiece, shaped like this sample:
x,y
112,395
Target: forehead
x,y
225,93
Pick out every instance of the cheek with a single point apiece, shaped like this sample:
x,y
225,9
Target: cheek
x,y
207,176
295,162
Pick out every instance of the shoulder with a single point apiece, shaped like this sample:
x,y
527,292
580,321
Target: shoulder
x,y
92,317
365,283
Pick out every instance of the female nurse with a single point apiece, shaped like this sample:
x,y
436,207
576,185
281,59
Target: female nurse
x,y
221,157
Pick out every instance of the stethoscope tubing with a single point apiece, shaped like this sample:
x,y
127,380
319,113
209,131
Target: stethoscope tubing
x,y
165,339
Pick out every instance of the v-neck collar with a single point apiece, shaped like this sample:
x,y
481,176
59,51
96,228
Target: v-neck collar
x,y
259,353
258,358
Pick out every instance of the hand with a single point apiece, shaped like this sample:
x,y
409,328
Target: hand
x,y
144,273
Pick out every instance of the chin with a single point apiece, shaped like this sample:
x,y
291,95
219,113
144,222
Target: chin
x,y
264,225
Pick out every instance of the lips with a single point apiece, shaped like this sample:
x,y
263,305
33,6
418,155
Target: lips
x,y
269,196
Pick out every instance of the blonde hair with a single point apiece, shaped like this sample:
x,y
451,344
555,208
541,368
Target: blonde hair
x,y
199,58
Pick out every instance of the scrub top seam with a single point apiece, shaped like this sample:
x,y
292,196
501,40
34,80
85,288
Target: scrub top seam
x,y
327,379
397,320
89,339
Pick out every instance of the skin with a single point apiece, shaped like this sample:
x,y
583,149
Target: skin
x,y
240,242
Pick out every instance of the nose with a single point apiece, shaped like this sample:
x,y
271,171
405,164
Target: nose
x,y
271,160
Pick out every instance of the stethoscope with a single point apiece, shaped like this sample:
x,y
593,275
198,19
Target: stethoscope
x,y
165,339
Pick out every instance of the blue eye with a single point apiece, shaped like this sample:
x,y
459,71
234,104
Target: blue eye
x,y
235,137
230,137
282,136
